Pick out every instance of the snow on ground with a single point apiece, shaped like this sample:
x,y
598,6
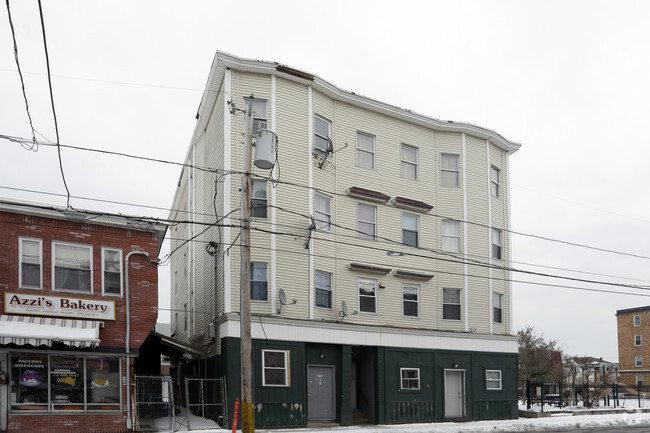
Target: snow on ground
x,y
554,423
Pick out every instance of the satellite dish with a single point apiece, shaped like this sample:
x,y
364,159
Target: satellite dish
x,y
344,308
283,300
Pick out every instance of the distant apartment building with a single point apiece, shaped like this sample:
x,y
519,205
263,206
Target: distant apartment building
x,y
66,348
390,231
633,325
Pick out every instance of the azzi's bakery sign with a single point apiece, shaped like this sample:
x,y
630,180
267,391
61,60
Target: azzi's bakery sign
x,y
62,306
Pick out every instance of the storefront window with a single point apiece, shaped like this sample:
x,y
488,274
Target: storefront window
x,y
103,383
64,383
29,384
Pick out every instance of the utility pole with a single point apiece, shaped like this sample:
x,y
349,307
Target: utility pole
x,y
248,415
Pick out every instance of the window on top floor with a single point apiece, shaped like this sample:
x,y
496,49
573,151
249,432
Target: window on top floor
x,y
495,182
449,170
637,321
365,151
30,268
72,267
409,162
322,134
259,113
112,271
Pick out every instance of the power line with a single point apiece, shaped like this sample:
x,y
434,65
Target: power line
x,y
49,81
34,145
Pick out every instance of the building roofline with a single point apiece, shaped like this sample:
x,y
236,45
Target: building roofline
x,y
83,216
223,61
633,310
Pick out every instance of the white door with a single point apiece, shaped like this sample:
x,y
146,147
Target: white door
x,y
454,393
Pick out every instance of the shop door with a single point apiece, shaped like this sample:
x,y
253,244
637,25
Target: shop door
x,y
320,392
454,393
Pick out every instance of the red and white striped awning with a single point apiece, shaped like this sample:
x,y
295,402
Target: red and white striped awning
x,y
38,331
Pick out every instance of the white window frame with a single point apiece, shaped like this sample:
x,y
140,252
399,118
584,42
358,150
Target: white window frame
x,y
361,234
495,182
637,320
121,271
416,231
372,152
20,262
327,138
638,341
409,379
360,296
259,122
638,361
286,368
406,163
497,242
265,280
497,296
639,380
76,245
444,170
493,384
456,238
322,289
259,199
323,220
410,286
459,303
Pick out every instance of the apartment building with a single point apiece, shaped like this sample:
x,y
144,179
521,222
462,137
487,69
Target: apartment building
x,y
66,348
380,288
633,353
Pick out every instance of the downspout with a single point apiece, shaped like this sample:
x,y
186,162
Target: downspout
x,y
128,337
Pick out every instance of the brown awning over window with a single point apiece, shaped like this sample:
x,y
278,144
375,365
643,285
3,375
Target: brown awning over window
x,y
408,203
367,194
367,268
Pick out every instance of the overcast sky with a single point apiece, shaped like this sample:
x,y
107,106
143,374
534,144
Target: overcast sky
x,y
569,80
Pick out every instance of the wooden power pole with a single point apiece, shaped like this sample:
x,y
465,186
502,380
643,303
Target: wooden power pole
x,y
248,414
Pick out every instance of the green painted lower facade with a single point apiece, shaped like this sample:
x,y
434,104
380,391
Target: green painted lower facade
x,y
367,381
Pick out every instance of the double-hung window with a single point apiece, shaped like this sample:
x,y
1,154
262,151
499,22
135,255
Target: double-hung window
x,y
638,361
409,162
72,267
411,300
410,230
410,378
366,221
496,244
322,134
639,380
323,212
30,269
323,289
637,340
449,170
258,199
365,151
112,271
451,236
493,380
367,295
259,284
495,181
637,321
275,368
451,304
497,307
259,113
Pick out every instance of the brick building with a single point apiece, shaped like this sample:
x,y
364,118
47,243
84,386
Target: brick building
x,y
634,345
78,298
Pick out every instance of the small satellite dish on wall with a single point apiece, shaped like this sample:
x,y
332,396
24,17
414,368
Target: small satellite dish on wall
x,y
283,300
344,311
